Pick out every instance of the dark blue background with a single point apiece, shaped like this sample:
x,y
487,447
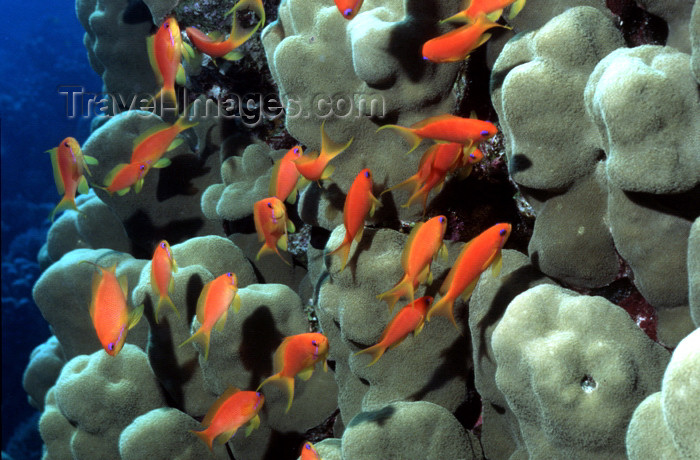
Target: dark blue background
x,y
40,48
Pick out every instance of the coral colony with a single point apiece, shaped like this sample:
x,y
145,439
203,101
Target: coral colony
x,y
547,327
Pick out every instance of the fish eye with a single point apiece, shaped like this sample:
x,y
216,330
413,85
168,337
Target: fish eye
x,y
314,343
367,174
347,12
229,274
66,144
425,58
441,220
484,133
166,24
269,204
307,446
142,167
296,150
502,232
472,156
162,245
110,347
258,394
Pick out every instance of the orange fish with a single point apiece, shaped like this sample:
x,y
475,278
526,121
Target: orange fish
x,y
308,452
423,245
476,256
298,354
315,167
272,225
457,44
348,8
212,308
409,319
446,128
469,160
152,144
165,49
108,310
124,176
68,163
285,182
212,45
491,8
436,162
358,203
230,411
162,268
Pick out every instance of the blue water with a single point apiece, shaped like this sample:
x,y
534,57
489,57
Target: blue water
x,y
40,49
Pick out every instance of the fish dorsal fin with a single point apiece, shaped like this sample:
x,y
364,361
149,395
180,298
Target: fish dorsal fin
x,y
202,302
150,46
175,144
450,276
329,147
135,316
56,172
272,189
230,391
253,424
124,284
408,247
113,173
429,120
162,163
234,55
278,358
96,278
238,34
149,132
515,8
305,374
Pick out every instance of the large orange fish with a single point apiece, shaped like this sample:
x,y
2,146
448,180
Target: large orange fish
x,y
68,164
476,256
212,45
446,128
152,144
358,203
435,163
315,167
308,452
457,44
298,354
108,308
162,268
124,176
285,181
230,411
212,308
348,8
491,8
165,50
423,245
272,225
409,319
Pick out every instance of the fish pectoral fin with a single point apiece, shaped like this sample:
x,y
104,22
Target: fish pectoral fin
x,y
225,436
495,15
83,185
305,374
174,144
442,252
135,316
90,160
162,163
233,56
375,204
419,328
253,424
181,76
236,304
124,285
219,326
496,265
468,291
290,227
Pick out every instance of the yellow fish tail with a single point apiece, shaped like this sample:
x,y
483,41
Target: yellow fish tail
x,y
201,337
285,383
165,301
65,204
344,251
407,133
375,351
206,437
443,307
402,288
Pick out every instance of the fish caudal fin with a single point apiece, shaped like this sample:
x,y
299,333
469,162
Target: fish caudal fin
x,y
201,337
165,301
407,133
65,204
375,351
344,251
443,307
285,383
206,438
402,288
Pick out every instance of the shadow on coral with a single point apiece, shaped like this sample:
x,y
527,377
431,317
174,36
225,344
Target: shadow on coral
x,y
260,339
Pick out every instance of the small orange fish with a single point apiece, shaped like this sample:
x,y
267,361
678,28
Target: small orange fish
x,y
436,162
108,310
152,144
446,128
423,245
491,8
68,164
272,225
358,203
232,410
298,354
124,176
469,160
348,8
165,49
285,182
162,268
308,452
457,44
476,256
212,308
409,319
315,167
211,44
